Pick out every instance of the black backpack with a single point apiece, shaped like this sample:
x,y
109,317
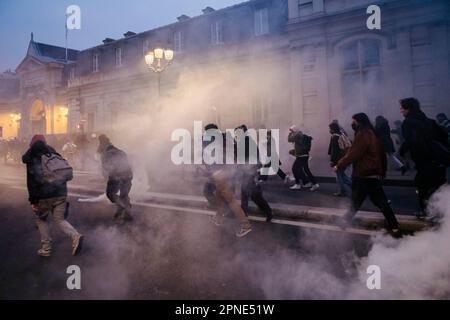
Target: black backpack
x,y
307,143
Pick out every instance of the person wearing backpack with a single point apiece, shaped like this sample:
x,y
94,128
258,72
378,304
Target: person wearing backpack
x,y
339,145
300,168
47,176
118,171
428,146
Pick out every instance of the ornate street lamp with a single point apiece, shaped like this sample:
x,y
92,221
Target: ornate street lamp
x,y
157,61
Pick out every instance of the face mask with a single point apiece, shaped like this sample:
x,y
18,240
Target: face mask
x,y
355,126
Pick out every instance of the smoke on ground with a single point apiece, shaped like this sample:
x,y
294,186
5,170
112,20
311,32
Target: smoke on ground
x,y
186,257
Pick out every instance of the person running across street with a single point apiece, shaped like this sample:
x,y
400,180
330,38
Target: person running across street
x,y
118,171
369,169
47,176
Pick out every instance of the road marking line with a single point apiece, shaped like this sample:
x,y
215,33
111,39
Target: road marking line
x,y
259,219
252,218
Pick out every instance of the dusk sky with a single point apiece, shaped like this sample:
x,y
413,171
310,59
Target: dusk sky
x,y
99,19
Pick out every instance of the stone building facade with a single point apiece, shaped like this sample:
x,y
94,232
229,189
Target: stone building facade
x,y
269,63
10,115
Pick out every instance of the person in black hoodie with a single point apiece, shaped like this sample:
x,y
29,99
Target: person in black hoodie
x,y
249,172
47,197
419,131
118,171
383,132
300,168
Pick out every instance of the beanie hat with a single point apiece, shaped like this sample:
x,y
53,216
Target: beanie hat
x,y
294,129
36,138
104,139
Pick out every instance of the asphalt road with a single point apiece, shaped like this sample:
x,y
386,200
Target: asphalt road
x,y
163,255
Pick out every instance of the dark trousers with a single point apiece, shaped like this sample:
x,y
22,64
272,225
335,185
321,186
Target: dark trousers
x,y
209,191
363,187
251,190
122,185
428,180
301,171
280,173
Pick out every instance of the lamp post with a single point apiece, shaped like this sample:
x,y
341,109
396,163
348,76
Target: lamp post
x,y
157,61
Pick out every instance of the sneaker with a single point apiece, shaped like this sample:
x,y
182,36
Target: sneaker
x,y
126,216
269,217
243,232
215,221
118,213
339,194
314,187
308,185
296,187
44,252
396,233
77,245
421,215
287,179
403,170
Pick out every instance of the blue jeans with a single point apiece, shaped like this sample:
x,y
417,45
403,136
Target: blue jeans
x,y
344,182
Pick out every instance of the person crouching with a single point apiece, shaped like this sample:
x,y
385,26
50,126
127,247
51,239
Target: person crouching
x,y
118,171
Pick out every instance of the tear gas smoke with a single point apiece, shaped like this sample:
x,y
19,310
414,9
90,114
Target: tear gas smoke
x,y
315,266
413,267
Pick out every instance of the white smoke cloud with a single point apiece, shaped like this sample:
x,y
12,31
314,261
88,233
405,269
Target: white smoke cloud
x,y
415,267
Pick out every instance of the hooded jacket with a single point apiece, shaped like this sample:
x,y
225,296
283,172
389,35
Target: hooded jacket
x,y
366,154
37,188
418,130
115,163
302,143
383,131
334,151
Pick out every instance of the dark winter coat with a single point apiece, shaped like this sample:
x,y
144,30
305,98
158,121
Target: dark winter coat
x,y
251,149
334,151
383,132
115,163
302,143
37,188
418,130
366,154
249,170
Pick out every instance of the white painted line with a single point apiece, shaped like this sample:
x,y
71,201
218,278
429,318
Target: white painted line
x,y
259,219
252,218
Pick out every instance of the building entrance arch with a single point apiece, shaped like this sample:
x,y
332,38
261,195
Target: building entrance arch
x,y
37,117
